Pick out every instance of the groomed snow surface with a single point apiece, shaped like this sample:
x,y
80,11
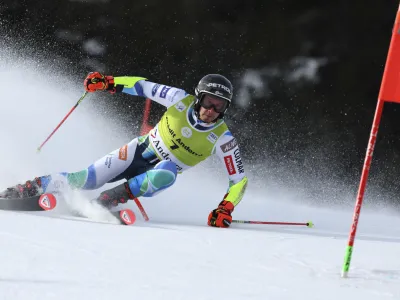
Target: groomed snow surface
x,y
55,255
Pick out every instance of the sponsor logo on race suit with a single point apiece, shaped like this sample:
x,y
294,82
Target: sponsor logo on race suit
x,y
212,137
108,161
180,106
238,161
155,89
164,91
123,153
229,165
229,145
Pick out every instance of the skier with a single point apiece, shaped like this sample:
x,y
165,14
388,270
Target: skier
x,y
191,130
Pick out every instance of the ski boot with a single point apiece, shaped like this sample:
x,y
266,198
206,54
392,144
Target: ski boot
x,y
115,196
30,188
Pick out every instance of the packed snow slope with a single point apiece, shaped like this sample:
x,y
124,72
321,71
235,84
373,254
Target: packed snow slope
x,y
174,256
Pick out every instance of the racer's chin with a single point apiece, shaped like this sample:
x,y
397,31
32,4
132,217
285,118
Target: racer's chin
x,y
208,117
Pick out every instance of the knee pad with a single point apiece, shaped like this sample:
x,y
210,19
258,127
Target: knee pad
x,y
154,181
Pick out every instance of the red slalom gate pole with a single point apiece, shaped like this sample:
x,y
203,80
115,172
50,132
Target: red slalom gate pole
x,y
308,224
145,123
62,121
389,92
361,189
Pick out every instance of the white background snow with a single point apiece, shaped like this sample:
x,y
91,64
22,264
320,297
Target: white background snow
x,y
175,256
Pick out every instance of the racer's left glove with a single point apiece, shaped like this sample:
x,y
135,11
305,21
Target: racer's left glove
x,y
221,216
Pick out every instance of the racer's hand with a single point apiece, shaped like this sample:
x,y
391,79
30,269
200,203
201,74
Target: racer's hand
x,y
96,81
221,216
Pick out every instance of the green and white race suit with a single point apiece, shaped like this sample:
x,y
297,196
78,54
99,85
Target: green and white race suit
x,y
151,162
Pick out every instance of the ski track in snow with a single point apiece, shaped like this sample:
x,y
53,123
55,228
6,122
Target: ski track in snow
x,y
54,255
48,258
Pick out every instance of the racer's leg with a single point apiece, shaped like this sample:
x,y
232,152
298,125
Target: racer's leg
x,y
96,175
147,184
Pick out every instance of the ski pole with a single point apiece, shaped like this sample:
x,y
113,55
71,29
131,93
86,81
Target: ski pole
x,y
308,224
141,208
58,126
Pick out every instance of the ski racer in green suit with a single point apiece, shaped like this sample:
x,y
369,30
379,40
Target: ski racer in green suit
x,y
191,130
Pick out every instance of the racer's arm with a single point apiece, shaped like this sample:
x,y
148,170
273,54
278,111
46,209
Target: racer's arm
x,y
228,151
139,86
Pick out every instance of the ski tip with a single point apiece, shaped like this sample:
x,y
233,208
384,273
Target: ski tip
x,y
310,224
127,216
47,201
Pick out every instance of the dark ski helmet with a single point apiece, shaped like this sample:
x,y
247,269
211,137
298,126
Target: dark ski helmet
x,y
216,85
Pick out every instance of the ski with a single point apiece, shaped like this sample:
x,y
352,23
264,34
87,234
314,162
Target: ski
x,y
124,216
48,201
43,202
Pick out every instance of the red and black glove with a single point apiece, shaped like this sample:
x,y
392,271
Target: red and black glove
x,y
221,216
96,81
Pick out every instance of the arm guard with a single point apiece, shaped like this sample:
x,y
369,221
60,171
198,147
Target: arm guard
x,y
236,191
129,85
139,86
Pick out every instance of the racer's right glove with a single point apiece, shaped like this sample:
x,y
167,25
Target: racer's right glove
x,y
96,81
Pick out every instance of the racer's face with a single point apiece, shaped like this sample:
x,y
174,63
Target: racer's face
x,y
211,107
208,115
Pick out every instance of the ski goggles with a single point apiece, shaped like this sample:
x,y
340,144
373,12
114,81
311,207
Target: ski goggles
x,y
219,105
